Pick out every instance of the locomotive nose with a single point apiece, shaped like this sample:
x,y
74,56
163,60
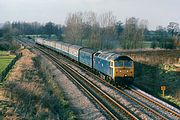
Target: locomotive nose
x,y
123,72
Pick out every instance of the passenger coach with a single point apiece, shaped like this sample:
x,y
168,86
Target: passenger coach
x,y
118,69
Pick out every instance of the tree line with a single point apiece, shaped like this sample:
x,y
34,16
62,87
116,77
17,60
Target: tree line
x,y
34,28
104,31
10,30
99,31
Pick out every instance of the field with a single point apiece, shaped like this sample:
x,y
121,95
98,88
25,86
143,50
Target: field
x,y
3,53
147,44
5,59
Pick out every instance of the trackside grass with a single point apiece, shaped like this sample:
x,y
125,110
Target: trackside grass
x,y
30,93
59,104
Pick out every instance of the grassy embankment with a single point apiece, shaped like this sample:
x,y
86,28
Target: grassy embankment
x,y
156,68
29,92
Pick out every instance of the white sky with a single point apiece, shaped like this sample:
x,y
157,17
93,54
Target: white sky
x,y
157,12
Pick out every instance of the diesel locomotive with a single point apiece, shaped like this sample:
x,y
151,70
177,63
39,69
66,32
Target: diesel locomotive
x,y
115,68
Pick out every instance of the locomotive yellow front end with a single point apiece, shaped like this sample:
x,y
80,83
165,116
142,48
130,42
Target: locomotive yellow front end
x,y
123,70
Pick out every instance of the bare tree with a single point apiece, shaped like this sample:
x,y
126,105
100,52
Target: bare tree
x,y
94,40
102,31
129,33
91,30
73,30
96,31
142,28
133,34
107,23
173,28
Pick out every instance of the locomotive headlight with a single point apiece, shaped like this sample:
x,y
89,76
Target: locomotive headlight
x,y
127,71
120,71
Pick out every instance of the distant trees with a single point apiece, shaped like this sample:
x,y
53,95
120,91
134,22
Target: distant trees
x,y
1,33
119,28
35,28
51,28
163,38
133,34
73,30
7,31
99,31
166,37
24,28
7,41
173,28
10,30
107,22
90,29
104,31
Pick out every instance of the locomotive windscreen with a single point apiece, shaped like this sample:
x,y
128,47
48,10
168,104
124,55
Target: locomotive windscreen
x,y
123,63
118,63
128,63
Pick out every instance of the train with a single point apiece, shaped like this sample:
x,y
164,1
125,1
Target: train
x,y
112,67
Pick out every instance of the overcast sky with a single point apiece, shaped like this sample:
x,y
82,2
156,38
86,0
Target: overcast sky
x,y
157,12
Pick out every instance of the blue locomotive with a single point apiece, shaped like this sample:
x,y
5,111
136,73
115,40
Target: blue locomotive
x,y
118,69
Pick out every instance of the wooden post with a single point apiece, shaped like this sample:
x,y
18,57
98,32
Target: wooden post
x,y
163,88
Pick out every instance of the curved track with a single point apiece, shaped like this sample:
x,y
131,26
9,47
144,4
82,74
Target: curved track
x,y
114,109
132,94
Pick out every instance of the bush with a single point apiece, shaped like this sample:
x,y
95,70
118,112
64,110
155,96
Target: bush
x,y
6,46
154,44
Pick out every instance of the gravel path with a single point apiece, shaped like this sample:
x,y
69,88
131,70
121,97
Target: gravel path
x,y
82,106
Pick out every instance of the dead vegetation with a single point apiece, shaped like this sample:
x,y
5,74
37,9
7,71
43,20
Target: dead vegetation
x,y
156,68
155,57
31,94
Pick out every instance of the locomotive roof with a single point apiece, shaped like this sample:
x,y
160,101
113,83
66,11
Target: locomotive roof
x,y
111,56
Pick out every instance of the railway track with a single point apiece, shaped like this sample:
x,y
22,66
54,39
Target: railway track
x,y
170,114
110,105
106,102
151,99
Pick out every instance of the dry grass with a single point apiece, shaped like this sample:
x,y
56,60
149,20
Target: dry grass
x,y
27,94
155,57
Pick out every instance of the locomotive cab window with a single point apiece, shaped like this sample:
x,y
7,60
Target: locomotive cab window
x,y
118,63
128,63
